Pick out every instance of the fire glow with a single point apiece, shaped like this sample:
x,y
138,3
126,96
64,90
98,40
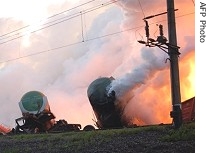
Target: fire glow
x,y
152,104
64,75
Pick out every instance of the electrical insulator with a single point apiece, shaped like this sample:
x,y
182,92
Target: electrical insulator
x,y
147,29
161,29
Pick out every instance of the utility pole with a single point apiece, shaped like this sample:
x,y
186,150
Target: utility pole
x,y
173,52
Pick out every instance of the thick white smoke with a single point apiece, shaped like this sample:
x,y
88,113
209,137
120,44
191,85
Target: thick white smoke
x,y
139,75
130,86
63,75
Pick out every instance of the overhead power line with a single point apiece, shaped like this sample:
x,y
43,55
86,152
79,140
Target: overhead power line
x,y
91,39
47,18
41,52
141,8
69,17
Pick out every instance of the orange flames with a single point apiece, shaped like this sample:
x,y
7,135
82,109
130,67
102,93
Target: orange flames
x,y
187,75
4,130
152,104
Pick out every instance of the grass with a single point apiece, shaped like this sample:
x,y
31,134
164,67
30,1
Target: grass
x,y
81,139
184,133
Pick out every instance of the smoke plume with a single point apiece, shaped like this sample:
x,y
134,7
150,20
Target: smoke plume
x,y
62,60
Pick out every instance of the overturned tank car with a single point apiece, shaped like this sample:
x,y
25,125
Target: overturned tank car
x,y
37,116
108,109
104,103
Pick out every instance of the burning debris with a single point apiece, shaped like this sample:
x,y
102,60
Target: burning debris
x,y
4,130
110,107
77,65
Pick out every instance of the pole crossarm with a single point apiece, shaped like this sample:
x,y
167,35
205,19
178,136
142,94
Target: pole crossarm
x,y
160,42
172,50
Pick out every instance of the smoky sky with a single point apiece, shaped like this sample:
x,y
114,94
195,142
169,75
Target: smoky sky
x,y
100,45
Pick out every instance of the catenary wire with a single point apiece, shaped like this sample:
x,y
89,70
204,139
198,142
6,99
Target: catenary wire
x,y
47,18
92,39
71,17
141,8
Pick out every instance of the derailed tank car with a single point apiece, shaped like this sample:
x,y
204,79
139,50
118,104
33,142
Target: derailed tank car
x,y
37,116
104,103
36,113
